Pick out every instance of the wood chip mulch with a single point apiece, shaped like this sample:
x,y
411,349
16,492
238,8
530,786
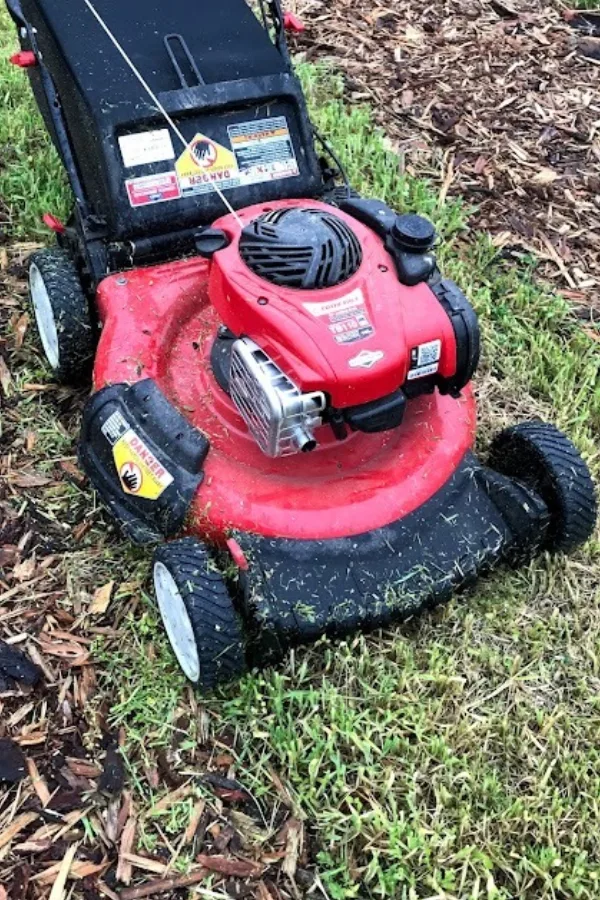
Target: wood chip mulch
x,y
495,99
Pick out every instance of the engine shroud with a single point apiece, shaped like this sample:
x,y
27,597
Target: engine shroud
x,y
353,339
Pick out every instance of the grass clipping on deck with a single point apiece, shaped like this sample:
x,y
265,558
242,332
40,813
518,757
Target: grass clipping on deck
x,y
455,757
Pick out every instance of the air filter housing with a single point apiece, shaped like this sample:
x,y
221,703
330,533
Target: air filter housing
x,y
301,248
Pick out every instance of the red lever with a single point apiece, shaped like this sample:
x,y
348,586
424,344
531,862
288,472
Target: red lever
x,y
293,23
25,59
237,554
53,223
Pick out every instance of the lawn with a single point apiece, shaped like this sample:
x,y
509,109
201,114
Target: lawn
x,y
454,757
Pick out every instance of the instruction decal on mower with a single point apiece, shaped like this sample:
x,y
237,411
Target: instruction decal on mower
x,y
140,472
263,150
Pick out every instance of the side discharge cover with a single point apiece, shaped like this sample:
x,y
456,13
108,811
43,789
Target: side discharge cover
x,y
143,457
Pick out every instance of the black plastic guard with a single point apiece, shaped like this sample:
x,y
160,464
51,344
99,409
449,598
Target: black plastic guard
x,y
299,590
143,457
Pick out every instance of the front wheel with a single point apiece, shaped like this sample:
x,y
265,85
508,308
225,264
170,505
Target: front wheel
x,y
202,625
546,461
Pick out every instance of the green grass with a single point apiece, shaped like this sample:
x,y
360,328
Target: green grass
x,y
31,180
456,757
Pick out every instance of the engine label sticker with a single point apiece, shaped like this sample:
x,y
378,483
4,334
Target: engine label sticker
x,y
350,326
426,354
354,300
263,150
205,166
348,317
423,372
425,360
146,147
153,189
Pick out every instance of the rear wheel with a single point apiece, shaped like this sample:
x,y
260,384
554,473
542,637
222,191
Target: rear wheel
x,y
198,613
546,461
62,315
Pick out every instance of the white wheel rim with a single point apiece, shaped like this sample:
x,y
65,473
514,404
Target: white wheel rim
x,y
44,316
176,621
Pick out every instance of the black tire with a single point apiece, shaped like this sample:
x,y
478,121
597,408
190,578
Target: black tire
x,y
546,461
209,643
62,315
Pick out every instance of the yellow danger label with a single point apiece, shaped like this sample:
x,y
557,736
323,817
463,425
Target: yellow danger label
x,y
206,164
140,473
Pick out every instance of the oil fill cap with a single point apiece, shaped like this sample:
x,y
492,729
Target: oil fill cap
x,y
413,233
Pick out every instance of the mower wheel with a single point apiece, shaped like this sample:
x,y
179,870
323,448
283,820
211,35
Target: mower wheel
x,y
544,460
62,315
199,616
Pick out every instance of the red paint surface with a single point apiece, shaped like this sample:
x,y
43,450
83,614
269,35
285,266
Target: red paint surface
x,y
158,323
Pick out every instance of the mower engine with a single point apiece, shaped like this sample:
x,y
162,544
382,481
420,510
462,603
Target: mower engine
x,y
336,322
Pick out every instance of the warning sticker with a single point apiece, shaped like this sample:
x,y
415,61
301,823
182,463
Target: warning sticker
x,y
263,150
146,147
206,165
153,189
140,472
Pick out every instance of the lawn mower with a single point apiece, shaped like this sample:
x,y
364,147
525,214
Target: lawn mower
x,y
282,397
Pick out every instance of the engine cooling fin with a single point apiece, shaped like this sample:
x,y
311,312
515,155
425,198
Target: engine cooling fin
x,y
301,248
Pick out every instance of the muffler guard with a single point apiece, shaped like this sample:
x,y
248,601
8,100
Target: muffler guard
x,y
296,591
143,457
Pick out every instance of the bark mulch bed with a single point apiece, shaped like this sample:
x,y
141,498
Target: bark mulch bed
x,y
496,99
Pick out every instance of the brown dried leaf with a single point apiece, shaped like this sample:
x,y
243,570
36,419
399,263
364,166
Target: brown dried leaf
x,y
30,480
16,826
69,651
20,328
195,817
145,864
25,570
83,768
241,868
5,377
101,599
293,847
78,870
39,784
545,176
124,868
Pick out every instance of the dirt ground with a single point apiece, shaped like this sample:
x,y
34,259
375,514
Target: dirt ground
x,y
496,101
